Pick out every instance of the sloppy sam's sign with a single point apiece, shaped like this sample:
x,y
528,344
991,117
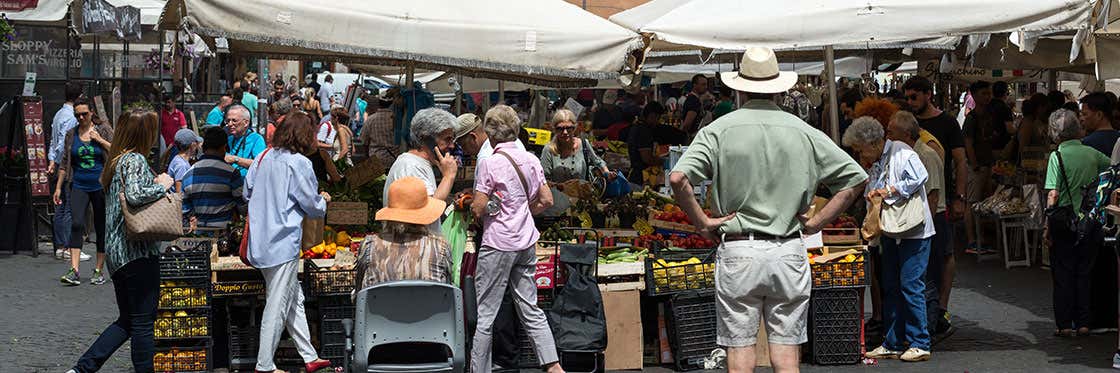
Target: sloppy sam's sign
x,y
41,50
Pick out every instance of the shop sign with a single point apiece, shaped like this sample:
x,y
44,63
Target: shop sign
x,y
18,5
41,50
128,23
932,70
36,147
98,16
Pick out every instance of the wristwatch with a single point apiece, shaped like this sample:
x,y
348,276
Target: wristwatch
x,y
960,196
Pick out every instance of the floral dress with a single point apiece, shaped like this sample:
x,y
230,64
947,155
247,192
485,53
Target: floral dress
x,y
140,188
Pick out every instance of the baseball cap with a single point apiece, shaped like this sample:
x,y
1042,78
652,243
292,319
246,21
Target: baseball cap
x,y
186,137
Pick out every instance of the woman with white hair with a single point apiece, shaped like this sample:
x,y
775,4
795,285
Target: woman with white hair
x,y
568,156
432,140
508,256
898,176
1070,170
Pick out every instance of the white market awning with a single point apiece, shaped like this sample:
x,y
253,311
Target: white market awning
x,y
738,25
548,42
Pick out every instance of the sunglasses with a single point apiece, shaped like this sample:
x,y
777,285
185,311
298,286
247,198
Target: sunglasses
x,y
565,128
82,114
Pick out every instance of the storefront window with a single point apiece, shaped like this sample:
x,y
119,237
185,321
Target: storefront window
x,y
38,49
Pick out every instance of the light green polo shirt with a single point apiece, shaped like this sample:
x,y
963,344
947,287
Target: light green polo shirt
x,y
1083,164
765,165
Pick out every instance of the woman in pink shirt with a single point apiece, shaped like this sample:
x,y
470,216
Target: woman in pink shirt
x,y
514,180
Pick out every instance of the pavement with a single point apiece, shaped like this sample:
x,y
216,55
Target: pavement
x,y
1004,317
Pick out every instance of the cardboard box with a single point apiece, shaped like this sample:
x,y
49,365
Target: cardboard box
x,y
624,329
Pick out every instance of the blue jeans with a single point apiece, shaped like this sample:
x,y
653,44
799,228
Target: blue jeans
x,y
61,224
903,287
137,288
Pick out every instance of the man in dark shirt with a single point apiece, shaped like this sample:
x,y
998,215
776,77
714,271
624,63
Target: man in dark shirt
x,y
1096,112
314,84
641,140
980,142
693,107
919,95
1003,119
607,114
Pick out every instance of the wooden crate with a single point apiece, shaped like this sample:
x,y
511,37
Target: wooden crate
x,y
364,172
841,236
347,213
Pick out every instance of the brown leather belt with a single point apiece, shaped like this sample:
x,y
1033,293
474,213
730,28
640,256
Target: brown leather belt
x,y
753,236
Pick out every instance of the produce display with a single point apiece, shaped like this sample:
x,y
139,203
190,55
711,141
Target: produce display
x,y
332,242
843,221
176,360
338,279
1006,201
176,295
181,324
690,274
622,255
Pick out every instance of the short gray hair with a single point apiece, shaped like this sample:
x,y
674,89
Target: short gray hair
x,y
428,123
502,124
907,122
238,108
282,107
1064,125
863,131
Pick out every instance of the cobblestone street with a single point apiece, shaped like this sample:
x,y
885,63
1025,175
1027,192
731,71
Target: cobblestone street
x,y
1004,318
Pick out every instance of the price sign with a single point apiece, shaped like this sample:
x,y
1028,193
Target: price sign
x,y
36,148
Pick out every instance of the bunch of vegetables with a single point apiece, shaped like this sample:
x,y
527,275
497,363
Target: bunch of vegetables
x,y
692,241
332,242
622,255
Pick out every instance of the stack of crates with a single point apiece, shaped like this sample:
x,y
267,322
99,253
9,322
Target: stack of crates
x,y
691,326
836,326
331,288
182,327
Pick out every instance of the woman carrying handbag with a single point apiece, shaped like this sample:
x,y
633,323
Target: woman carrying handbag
x,y
132,262
282,193
898,178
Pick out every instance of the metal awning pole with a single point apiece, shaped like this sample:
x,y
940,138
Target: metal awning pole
x,y
833,108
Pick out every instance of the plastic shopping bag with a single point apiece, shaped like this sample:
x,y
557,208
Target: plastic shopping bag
x,y
455,228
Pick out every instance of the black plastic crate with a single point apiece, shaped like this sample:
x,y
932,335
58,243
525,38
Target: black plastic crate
x,y
665,279
323,281
183,359
336,307
692,328
184,264
184,294
335,352
244,343
835,323
182,325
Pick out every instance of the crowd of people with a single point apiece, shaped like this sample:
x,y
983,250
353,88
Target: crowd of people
x,y
901,155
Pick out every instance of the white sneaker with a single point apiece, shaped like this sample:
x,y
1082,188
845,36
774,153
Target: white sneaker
x,y
881,353
1116,361
82,258
61,254
915,354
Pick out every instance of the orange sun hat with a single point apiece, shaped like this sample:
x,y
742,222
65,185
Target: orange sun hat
x,y
409,203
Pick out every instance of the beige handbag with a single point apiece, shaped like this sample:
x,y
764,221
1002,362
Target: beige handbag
x,y
159,220
903,216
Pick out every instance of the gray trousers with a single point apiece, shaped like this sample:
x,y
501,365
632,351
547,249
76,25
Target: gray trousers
x,y
495,271
283,307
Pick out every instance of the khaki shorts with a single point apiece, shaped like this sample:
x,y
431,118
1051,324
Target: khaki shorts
x,y
978,184
762,279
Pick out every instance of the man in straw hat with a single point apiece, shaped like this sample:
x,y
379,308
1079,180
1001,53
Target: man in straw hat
x,y
765,165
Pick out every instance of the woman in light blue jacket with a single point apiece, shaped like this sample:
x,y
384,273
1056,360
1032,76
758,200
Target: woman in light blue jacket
x,y
288,193
897,175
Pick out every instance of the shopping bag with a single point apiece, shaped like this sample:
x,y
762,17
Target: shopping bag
x,y
871,228
455,229
312,232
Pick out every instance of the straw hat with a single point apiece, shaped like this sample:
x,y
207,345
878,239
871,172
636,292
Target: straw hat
x,y
758,73
467,123
409,203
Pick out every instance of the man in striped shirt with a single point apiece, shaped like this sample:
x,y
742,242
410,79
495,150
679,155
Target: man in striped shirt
x,y
212,188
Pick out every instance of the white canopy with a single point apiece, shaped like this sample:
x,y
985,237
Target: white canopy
x,y
44,11
737,25
846,66
542,41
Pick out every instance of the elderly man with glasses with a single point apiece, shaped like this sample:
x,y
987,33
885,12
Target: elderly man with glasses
x,y
244,143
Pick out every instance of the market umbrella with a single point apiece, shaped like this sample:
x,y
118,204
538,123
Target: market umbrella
x,y
737,25
547,42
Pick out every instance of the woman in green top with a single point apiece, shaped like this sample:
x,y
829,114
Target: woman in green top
x,y
133,265
568,156
1071,169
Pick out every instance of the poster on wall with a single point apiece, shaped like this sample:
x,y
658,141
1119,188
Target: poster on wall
x,y
36,147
